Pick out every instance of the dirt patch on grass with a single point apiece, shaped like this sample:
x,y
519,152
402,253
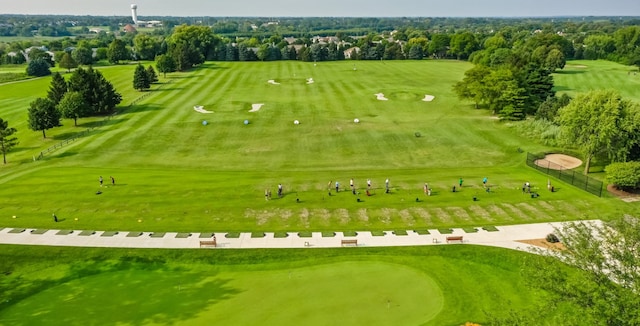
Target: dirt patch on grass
x,y
543,243
442,215
261,217
343,216
423,214
515,211
362,215
304,217
386,215
546,205
534,212
459,213
626,196
559,162
498,211
406,217
481,212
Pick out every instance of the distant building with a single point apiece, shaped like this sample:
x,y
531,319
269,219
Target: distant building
x,y
128,28
351,52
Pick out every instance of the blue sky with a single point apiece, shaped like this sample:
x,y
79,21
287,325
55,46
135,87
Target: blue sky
x,y
344,8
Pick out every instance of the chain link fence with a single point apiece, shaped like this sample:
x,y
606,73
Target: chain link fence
x,y
569,176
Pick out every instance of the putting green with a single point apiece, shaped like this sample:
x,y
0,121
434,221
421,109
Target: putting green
x,y
352,293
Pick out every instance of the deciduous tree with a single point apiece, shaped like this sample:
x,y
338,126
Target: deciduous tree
x,y
43,115
73,106
600,122
165,64
117,51
603,283
67,62
38,68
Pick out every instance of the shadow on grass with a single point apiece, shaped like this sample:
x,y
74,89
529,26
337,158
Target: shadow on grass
x,y
561,88
138,108
99,123
22,149
127,296
570,72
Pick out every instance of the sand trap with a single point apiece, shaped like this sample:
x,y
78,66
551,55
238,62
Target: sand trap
x,y
272,82
428,98
559,162
256,107
200,108
381,97
310,81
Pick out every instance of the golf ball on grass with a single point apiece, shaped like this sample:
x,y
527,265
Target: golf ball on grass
x,y
296,122
356,120
246,122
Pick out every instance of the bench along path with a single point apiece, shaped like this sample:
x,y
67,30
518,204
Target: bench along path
x,y
505,237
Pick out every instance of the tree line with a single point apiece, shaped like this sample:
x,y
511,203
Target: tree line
x,y
86,93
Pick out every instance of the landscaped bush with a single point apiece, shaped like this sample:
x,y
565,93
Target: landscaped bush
x,y
552,238
624,175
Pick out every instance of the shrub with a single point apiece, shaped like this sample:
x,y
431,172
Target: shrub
x,y
624,175
552,238
38,68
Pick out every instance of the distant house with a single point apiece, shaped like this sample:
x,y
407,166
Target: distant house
x,y
350,52
128,28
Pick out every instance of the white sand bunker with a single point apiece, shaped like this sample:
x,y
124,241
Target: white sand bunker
x,y
559,162
310,81
381,97
256,107
200,108
428,98
272,82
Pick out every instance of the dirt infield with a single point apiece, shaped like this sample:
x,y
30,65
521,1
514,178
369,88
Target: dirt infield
x,y
559,162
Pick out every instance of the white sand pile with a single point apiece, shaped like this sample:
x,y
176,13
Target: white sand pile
x,y
310,81
428,98
200,108
381,97
272,82
256,107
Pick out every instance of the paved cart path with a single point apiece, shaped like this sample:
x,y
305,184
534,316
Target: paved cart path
x,y
505,236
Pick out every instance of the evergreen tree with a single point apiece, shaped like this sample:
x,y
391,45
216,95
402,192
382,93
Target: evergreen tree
x,y
6,139
97,92
43,115
151,74
141,79
57,89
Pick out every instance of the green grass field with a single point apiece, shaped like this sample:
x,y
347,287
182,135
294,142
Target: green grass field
x,y
446,285
585,75
175,174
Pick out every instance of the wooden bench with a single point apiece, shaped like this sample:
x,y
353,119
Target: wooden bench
x,y
208,243
454,238
349,242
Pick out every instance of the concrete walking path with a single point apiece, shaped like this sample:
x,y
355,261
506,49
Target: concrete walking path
x,y
505,237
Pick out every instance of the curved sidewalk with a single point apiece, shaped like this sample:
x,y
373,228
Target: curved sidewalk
x,y
505,237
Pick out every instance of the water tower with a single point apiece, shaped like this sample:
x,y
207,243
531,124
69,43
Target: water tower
x,y
134,14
